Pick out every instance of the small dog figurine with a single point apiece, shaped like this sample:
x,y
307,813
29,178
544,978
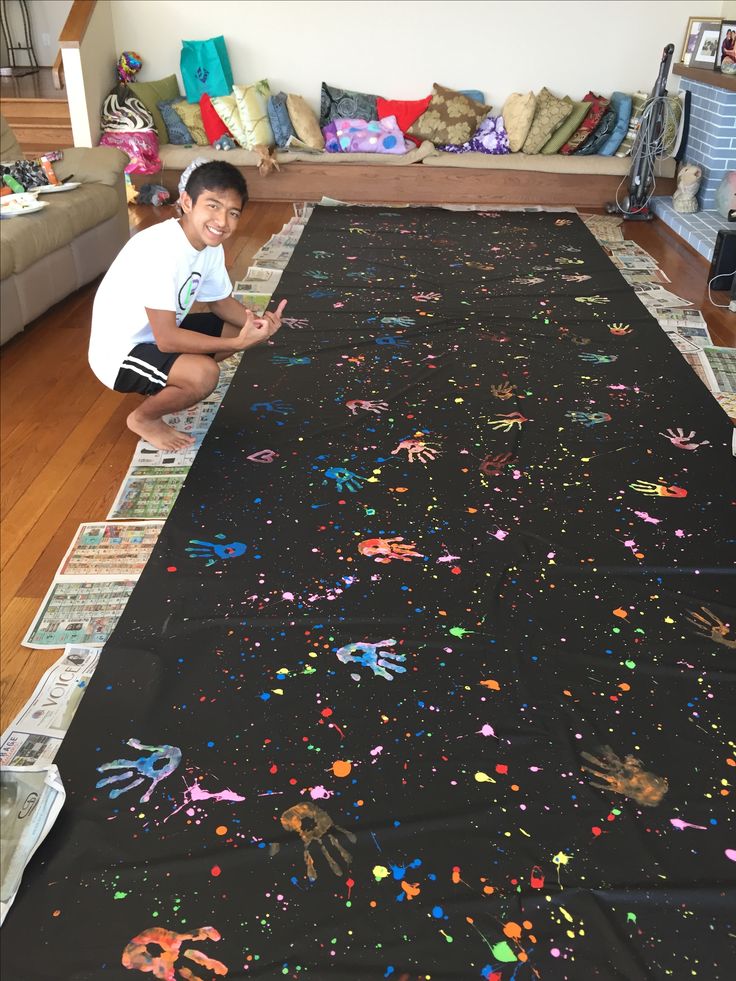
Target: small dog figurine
x,y
684,199
267,160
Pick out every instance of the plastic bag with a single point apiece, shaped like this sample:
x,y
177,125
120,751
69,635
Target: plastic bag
x,y
205,67
141,147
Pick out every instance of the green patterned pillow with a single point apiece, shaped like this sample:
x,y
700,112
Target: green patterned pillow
x,y
191,115
563,133
252,103
637,104
151,93
550,113
226,108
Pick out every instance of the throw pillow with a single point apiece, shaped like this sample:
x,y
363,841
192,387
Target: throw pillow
x,y
252,103
674,119
599,136
598,106
621,106
451,117
150,94
637,104
227,109
304,122
518,113
563,133
278,116
191,116
179,135
364,136
490,137
405,113
475,94
548,115
343,104
213,125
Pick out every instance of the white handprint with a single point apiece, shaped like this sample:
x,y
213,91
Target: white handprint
x,y
683,442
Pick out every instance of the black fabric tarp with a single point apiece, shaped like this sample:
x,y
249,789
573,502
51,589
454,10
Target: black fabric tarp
x,y
431,673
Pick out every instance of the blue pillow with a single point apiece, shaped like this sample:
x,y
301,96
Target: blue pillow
x,y
278,116
473,94
621,105
179,135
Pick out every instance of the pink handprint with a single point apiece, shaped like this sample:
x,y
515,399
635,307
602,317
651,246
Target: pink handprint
x,y
417,450
385,549
681,441
367,406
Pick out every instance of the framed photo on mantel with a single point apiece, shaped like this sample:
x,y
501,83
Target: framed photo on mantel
x,y
692,33
726,57
705,47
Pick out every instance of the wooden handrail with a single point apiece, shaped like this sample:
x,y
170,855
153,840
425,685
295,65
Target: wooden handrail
x,y
71,36
57,71
76,24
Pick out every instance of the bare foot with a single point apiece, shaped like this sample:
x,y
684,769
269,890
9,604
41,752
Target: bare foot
x,y
156,432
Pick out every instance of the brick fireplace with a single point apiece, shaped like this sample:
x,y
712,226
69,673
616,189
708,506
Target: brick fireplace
x,y
711,143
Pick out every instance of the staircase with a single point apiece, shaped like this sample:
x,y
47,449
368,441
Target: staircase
x,y
37,113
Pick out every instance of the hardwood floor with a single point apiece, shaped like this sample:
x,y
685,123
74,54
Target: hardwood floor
x,y
64,446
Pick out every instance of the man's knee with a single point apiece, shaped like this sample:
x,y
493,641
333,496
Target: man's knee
x,y
196,373
208,377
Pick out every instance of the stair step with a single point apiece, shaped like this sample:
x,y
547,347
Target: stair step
x,y
32,110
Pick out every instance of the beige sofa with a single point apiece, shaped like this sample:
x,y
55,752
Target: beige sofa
x,y
425,175
47,255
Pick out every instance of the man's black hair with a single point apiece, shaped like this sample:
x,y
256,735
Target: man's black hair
x,y
217,175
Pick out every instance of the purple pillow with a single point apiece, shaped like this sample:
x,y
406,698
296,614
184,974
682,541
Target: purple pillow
x,y
490,137
364,136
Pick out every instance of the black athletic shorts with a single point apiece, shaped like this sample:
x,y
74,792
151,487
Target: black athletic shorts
x,y
146,369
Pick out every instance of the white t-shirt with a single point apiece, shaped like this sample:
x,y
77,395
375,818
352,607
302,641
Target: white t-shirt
x,y
160,269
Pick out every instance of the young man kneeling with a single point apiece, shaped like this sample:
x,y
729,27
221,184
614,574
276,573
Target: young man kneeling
x,y
143,337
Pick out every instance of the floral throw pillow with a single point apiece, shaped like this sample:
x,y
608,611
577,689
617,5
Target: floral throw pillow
x,y
589,124
490,137
364,136
343,104
450,118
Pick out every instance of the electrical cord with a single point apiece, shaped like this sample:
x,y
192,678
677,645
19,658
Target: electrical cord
x,y
657,114
721,306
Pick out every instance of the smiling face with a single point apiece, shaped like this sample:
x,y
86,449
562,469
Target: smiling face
x,y
212,218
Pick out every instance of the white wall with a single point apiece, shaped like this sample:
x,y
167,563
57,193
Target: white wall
x,y
398,48
89,71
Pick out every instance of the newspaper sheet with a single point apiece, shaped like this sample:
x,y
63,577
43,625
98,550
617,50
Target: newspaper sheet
x,y
146,455
719,364
149,496
648,275
197,419
653,295
257,302
258,279
30,801
691,353
698,335
78,613
51,707
109,550
673,317
727,401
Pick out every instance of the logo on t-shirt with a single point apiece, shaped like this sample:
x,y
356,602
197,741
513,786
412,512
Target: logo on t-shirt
x,y
188,291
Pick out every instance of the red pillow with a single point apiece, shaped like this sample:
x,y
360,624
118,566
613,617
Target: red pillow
x,y
406,113
213,125
590,122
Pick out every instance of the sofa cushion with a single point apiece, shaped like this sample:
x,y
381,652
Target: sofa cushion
x,y
451,117
151,93
518,113
338,103
416,155
278,116
179,135
179,157
598,106
9,146
28,238
637,104
553,163
565,130
621,106
191,116
549,113
304,122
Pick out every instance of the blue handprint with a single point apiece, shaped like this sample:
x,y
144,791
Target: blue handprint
x,y
345,479
388,339
322,294
147,766
276,406
212,551
289,361
599,358
315,274
373,656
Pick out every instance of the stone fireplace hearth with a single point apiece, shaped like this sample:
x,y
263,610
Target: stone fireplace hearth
x,y
711,143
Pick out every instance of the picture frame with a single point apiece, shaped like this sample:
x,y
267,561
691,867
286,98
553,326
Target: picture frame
x,y
689,45
726,55
706,47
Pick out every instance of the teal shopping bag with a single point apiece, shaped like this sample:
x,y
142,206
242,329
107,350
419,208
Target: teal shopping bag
x,y
205,67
